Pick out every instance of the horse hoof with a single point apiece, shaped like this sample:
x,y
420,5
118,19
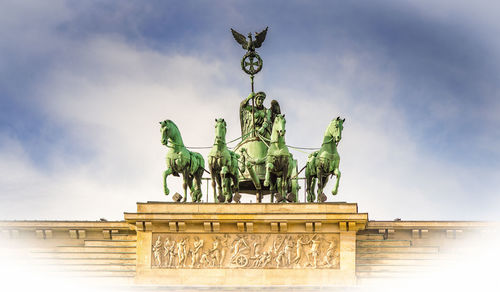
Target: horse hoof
x,y
266,183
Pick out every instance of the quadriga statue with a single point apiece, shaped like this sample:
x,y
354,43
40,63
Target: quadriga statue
x,y
181,161
325,162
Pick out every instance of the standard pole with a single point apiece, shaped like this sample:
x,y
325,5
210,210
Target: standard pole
x,y
253,106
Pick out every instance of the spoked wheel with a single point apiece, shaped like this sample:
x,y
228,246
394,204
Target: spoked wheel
x,y
242,261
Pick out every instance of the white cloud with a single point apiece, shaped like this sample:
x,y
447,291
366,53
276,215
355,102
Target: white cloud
x,y
109,96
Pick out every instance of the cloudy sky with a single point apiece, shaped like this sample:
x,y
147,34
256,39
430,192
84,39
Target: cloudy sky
x,y
83,85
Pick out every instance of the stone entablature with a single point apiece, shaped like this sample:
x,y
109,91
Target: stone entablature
x,y
224,244
63,229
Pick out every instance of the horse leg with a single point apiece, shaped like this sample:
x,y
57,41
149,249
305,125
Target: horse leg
x,y
185,186
269,169
272,186
213,175
214,183
165,174
192,189
336,172
309,180
278,189
232,185
197,185
281,186
219,186
324,182
225,183
229,194
320,183
284,186
236,188
284,180
313,188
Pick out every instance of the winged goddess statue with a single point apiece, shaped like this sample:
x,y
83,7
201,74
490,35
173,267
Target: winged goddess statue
x,y
250,45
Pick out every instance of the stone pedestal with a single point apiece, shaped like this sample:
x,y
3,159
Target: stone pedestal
x,y
246,244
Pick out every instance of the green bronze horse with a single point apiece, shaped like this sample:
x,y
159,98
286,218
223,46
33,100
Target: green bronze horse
x,y
278,160
181,161
223,165
325,162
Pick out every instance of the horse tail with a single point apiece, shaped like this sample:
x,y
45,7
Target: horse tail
x,y
197,163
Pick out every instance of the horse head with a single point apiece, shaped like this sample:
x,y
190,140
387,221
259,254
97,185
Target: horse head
x,y
220,130
335,129
168,131
279,125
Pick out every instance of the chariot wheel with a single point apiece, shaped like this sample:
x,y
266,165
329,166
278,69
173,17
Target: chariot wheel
x,y
242,261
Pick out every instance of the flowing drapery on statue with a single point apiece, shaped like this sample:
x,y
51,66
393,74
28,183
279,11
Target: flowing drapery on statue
x,y
260,114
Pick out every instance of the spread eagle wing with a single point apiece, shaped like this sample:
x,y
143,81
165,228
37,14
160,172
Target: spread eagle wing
x,y
275,109
241,39
260,37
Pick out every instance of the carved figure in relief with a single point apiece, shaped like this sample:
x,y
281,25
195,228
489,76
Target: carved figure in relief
x,y
263,260
276,245
287,249
284,256
241,251
215,252
267,259
301,240
181,253
239,245
171,253
256,253
279,258
195,253
314,251
167,246
165,249
330,259
224,247
157,251
204,261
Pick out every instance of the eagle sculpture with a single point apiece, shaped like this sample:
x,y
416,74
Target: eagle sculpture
x,y
250,45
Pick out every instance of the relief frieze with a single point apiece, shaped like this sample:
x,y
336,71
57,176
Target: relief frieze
x,y
251,251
